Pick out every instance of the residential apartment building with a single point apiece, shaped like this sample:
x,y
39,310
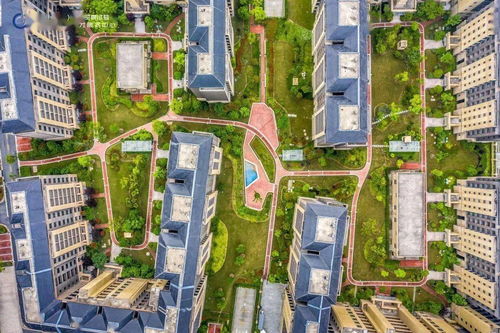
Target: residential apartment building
x,y
35,82
50,235
475,82
476,239
315,265
474,321
340,76
385,314
209,41
467,7
185,239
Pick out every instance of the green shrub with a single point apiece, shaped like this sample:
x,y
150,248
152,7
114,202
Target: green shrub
x,y
219,245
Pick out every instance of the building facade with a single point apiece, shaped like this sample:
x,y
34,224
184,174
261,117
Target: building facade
x,y
340,76
475,237
185,239
35,82
209,41
475,82
385,314
50,236
315,265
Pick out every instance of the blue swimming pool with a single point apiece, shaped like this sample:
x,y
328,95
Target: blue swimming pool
x,y
251,174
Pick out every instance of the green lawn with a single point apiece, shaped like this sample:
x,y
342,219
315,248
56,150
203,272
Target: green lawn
x,y
145,256
281,57
265,157
384,68
431,62
160,74
300,12
119,115
252,235
116,172
92,179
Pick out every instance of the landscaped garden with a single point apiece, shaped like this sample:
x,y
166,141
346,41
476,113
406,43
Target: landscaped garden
x,y
116,112
397,114
128,175
265,157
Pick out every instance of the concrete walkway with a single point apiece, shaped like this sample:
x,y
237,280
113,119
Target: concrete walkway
x,y
434,197
139,25
244,306
431,83
433,275
162,153
434,122
435,236
10,315
433,44
157,196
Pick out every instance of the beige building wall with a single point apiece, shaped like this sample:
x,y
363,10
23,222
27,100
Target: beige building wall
x,y
474,286
473,321
475,200
475,30
68,238
475,74
477,116
476,243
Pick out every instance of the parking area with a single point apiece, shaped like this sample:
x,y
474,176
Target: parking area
x,y
244,307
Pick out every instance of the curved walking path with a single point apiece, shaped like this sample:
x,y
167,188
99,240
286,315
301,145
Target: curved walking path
x,y
254,129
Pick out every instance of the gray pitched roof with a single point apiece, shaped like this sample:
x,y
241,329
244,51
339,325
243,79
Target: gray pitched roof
x,y
191,183
353,40
328,257
12,38
207,39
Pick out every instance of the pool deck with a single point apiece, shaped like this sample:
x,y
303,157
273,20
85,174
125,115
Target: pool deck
x,y
261,117
262,185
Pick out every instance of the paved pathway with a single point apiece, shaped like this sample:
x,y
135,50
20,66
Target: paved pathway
x,y
434,236
435,197
435,122
10,312
433,44
5,247
431,83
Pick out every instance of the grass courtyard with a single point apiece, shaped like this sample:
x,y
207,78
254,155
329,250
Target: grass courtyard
x,y
128,175
115,110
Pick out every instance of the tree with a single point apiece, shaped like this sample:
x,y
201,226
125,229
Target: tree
x,y
447,58
370,228
241,248
149,22
258,13
11,159
101,15
85,161
400,273
453,21
98,259
114,128
402,77
240,260
160,127
416,104
244,13
429,10
134,221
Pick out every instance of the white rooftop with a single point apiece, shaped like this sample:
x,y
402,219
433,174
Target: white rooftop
x,y
18,202
349,65
312,327
205,15
175,259
131,65
204,63
325,229
181,208
319,281
187,158
348,13
349,117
